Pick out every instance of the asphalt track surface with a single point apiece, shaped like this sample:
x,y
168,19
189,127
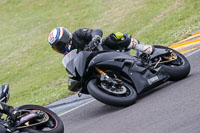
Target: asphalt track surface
x,y
171,108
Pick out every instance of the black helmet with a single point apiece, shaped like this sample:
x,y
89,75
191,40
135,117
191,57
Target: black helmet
x,y
4,93
60,40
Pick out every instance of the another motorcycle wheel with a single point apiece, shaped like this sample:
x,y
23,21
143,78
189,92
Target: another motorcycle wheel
x,y
53,125
177,69
121,97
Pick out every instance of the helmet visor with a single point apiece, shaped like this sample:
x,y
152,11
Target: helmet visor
x,y
60,47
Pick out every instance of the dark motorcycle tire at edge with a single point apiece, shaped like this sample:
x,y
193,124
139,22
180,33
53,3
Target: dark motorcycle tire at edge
x,y
106,98
177,72
59,128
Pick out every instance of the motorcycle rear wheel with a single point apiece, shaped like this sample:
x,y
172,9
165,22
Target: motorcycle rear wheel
x,y
178,69
55,122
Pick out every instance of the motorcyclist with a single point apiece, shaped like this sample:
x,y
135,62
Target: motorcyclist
x,y
62,41
4,108
7,109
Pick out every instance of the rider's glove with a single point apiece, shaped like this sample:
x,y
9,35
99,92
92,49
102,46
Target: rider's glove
x,y
96,40
13,113
91,46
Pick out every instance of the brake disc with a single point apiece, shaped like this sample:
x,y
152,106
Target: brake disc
x,y
114,90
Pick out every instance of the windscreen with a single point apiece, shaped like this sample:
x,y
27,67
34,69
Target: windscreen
x,y
68,61
80,61
75,62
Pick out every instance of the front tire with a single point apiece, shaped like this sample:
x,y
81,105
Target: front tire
x,y
57,127
113,100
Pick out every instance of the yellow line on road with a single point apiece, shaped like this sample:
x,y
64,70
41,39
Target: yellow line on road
x,y
187,50
188,38
196,33
183,40
185,43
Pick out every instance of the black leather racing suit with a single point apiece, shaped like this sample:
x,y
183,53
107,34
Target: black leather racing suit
x,y
6,109
83,36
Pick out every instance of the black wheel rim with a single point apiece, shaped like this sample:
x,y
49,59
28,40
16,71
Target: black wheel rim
x,y
177,62
124,91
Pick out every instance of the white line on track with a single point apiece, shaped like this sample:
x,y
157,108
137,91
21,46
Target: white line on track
x,y
68,111
195,51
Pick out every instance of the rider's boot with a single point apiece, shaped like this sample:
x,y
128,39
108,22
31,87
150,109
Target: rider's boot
x,y
135,44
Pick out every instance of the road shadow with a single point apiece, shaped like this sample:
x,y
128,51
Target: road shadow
x,y
97,110
160,87
153,90
102,110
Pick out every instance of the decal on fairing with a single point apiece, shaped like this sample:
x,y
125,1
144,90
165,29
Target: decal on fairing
x,y
153,80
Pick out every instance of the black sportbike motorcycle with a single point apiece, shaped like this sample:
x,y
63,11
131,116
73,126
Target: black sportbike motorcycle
x,y
116,78
29,118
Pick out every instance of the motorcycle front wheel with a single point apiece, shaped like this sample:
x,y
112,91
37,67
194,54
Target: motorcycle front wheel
x,y
126,97
53,125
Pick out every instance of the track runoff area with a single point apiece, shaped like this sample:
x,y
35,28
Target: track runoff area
x,y
184,46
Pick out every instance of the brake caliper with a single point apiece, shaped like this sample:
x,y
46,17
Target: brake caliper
x,y
112,82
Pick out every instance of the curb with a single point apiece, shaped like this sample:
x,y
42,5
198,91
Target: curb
x,y
68,103
188,44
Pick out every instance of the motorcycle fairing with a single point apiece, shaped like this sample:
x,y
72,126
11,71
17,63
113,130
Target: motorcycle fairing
x,y
139,75
68,61
102,57
75,62
80,62
159,52
145,79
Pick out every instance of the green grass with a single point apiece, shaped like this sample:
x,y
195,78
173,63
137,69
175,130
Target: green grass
x,y
34,70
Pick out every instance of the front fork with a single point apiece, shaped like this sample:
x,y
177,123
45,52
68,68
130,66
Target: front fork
x,y
108,80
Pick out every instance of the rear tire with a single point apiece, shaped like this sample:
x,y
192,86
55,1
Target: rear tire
x,y
112,100
176,72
